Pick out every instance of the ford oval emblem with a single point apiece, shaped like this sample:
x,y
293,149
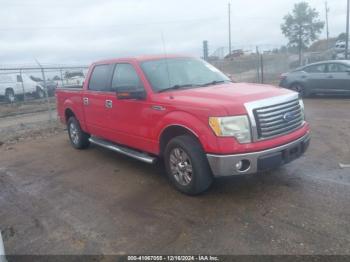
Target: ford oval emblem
x,y
288,116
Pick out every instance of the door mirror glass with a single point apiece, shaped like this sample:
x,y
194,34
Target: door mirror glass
x,y
127,82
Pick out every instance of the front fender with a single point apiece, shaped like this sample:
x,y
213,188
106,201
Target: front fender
x,y
199,128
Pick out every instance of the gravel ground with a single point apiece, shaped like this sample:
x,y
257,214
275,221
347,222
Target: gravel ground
x,y
57,200
25,107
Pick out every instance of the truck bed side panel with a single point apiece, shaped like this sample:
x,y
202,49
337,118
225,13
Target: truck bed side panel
x,y
70,99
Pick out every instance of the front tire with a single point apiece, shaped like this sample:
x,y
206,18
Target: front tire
x,y
187,166
78,138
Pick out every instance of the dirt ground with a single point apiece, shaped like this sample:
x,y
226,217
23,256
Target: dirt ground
x,y
57,200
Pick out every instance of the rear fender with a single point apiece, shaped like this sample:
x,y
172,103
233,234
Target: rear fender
x,y
68,104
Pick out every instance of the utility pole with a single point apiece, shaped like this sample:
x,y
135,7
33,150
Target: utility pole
x,y
205,50
347,31
262,68
45,90
257,65
327,28
229,29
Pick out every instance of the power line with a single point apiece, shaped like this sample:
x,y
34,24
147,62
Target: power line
x,y
24,28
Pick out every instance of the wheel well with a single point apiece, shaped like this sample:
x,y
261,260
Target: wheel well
x,y
171,132
68,113
8,89
296,83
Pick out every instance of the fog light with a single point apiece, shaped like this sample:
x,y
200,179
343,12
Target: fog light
x,y
239,165
243,165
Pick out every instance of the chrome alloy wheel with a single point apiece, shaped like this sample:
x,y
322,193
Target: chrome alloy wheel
x,y
181,166
74,133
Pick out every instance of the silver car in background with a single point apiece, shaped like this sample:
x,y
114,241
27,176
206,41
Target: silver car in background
x,y
327,77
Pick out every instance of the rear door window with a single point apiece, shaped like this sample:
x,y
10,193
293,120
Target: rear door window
x,y
100,78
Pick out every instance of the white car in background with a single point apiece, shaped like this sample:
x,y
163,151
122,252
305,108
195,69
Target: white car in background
x,y
339,50
14,86
74,78
339,46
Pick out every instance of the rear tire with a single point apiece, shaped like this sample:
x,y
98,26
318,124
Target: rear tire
x,y
78,138
10,96
187,166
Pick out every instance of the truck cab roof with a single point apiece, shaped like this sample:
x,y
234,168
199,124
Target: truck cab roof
x,y
141,58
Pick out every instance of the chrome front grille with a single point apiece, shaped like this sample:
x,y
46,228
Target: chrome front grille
x,y
278,119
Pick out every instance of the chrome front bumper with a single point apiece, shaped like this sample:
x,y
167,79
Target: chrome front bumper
x,y
225,165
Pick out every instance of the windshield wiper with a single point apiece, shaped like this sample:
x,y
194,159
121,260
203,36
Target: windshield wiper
x,y
214,83
175,87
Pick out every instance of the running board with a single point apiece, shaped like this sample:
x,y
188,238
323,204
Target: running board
x,y
123,150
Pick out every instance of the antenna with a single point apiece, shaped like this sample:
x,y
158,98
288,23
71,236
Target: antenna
x,y
229,29
166,58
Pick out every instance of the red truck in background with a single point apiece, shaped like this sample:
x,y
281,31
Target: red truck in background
x,y
189,114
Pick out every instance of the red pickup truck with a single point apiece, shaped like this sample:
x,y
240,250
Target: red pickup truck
x,y
188,113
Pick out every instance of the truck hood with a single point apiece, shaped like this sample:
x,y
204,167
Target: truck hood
x,y
231,97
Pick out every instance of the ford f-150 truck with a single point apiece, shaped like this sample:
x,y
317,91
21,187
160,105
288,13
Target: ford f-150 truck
x,y
187,113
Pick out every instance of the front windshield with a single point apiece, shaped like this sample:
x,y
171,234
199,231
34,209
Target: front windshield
x,y
181,72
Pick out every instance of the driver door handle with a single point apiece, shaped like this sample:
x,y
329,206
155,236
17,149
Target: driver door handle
x,y
108,104
85,101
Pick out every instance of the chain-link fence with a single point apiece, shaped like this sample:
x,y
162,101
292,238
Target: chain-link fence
x,y
257,68
27,96
33,85
265,67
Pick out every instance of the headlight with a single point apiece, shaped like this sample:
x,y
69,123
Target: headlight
x,y
231,126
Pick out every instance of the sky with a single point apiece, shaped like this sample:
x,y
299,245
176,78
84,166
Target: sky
x,y
83,31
